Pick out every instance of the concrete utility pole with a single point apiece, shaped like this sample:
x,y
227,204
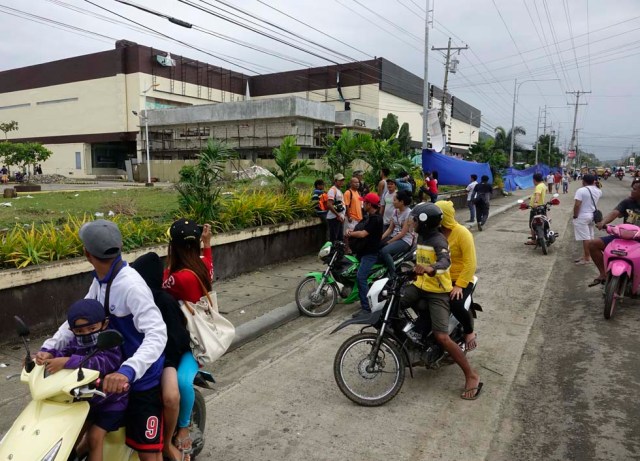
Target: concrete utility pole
x,y
443,121
573,144
425,95
538,134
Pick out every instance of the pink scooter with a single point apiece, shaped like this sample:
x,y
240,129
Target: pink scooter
x,y
622,260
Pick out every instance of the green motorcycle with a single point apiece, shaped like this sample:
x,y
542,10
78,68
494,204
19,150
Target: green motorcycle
x,y
317,294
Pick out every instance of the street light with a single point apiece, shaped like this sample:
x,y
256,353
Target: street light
x,y
146,131
516,88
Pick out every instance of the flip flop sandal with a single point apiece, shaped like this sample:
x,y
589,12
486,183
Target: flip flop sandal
x,y
582,263
476,395
597,282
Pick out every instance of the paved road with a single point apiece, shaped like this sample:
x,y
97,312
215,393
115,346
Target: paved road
x,y
559,379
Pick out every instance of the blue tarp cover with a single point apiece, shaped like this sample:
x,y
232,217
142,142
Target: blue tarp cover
x,y
453,171
523,179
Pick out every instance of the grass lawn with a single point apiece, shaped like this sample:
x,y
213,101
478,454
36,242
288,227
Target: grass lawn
x,y
154,203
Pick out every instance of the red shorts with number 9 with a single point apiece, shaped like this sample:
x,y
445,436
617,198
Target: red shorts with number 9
x,y
144,421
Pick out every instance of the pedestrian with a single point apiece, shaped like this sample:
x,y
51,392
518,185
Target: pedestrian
x,y
132,312
382,184
550,179
481,198
335,205
353,207
585,204
387,203
470,204
319,199
433,186
557,180
363,189
367,252
565,182
403,182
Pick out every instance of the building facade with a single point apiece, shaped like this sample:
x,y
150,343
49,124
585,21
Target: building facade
x,y
91,110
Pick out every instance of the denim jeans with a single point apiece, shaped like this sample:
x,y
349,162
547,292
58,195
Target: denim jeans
x,y
472,210
366,263
389,251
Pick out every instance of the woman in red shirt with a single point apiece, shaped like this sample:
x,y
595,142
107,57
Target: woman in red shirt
x,y
187,275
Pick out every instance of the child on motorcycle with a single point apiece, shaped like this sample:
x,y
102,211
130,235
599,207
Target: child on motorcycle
x,y
87,319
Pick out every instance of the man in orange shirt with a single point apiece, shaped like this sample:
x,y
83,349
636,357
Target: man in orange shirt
x,y
353,204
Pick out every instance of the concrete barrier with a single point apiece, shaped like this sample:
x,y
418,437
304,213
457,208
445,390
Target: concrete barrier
x,y
42,294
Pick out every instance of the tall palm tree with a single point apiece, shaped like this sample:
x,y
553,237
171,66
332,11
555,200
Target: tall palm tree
x,y
503,138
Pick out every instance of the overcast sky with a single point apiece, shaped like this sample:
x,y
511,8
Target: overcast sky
x,y
587,45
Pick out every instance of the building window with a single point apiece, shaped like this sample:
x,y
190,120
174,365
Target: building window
x,y
15,106
320,136
56,101
78,161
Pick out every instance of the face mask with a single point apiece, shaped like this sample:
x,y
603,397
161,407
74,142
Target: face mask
x,y
88,340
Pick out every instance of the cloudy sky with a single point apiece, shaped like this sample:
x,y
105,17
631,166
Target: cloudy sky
x,y
562,45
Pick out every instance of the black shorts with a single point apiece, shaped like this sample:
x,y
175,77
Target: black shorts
x,y
144,421
108,420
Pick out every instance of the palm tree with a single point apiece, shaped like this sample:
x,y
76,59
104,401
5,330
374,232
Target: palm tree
x,y
289,167
503,139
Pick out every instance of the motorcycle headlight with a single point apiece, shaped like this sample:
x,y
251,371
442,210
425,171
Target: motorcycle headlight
x,y
51,454
324,251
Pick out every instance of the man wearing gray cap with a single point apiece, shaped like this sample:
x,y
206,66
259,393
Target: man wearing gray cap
x,y
132,311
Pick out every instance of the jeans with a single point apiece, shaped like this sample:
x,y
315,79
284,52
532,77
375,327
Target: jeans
x,y
336,231
389,251
186,373
472,210
366,263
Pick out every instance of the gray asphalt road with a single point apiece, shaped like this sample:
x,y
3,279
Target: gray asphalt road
x,y
575,395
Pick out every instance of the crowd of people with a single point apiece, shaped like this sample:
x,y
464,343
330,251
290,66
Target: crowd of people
x,y
378,226
149,380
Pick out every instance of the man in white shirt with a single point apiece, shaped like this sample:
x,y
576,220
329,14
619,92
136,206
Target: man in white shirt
x,y
472,208
586,202
550,182
336,213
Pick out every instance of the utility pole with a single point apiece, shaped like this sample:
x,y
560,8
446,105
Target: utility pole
x,y
574,136
425,95
537,134
443,121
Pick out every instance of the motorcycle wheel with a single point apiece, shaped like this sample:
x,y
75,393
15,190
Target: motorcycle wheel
x,y
612,290
542,241
369,389
313,305
198,421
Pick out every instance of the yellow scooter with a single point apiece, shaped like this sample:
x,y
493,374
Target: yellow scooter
x,y
49,426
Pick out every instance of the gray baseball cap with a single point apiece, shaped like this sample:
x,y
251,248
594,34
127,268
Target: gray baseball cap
x,y
101,238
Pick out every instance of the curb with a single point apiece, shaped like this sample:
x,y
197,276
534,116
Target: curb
x,y
253,329
257,327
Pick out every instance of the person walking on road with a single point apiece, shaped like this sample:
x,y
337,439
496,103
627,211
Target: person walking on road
x,y
335,205
586,203
470,204
565,183
550,179
481,199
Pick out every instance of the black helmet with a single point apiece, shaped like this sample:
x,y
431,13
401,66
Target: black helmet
x,y
427,215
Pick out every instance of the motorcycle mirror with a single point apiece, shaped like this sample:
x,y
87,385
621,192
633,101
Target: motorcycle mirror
x,y
555,201
520,201
109,339
23,332
21,328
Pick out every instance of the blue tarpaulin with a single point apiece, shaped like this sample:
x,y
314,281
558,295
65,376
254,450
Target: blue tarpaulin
x,y
451,170
523,179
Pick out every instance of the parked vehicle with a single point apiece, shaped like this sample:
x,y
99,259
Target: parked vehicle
x,y
317,294
541,224
47,429
622,261
370,366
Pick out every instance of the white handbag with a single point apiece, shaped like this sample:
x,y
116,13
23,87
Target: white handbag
x,y
211,334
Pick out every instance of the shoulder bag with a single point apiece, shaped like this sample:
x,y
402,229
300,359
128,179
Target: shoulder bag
x,y
597,214
211,334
